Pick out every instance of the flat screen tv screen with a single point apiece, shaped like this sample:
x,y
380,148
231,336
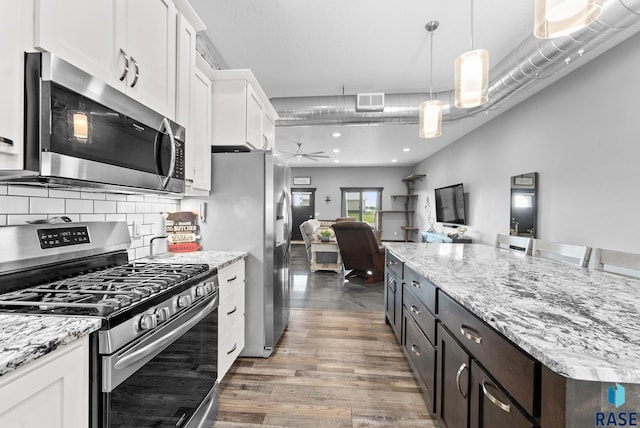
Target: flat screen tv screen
x,y
450,204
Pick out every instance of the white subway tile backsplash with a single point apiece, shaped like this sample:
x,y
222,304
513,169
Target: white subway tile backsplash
x,y
19,204
95,195
28,191
143,207
135,217
14,205
115,217
80,206
115,197
106,207
46,205
66,194
92,217
126,207
16,219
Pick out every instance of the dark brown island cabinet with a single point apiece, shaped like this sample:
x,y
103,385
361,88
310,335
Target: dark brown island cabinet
x,y
471,376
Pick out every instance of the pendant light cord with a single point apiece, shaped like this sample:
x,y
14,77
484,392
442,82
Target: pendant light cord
x,y
431,69
471,24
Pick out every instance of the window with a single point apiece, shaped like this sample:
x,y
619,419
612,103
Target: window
x,y
361,204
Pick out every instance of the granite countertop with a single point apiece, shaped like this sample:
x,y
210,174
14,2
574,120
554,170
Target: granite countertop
x,y
215,259
579,323
24,338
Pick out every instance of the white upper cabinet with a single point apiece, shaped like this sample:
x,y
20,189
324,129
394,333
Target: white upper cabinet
x,y
193,102
129,44
242,113
198,156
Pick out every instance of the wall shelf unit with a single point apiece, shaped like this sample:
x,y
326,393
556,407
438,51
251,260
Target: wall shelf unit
x,y
410,199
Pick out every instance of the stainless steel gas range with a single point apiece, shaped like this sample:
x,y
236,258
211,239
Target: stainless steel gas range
x,y
154,360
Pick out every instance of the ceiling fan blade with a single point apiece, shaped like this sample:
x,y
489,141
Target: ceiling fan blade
x,y
309,155
314,153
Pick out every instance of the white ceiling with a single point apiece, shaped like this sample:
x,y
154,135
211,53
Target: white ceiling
x,y
331,47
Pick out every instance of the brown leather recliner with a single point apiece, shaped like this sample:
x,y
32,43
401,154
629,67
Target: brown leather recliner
x,y
359,250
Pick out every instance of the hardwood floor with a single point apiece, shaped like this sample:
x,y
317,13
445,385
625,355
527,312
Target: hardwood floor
x,y
332,368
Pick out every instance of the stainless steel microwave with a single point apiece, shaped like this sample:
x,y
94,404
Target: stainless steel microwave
x,y
80,131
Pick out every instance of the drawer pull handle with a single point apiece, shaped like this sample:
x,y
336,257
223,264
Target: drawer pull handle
x,y
235,308
493,399
232,349
415,349
470,334
415,309
392,263
416,284
462,368
233,278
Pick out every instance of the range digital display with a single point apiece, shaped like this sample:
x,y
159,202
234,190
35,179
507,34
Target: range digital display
x,y
53,238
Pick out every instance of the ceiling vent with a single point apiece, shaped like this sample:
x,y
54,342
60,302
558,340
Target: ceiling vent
x,y
370,102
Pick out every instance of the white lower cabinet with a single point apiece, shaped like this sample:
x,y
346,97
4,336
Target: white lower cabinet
x,y
230,315
52,391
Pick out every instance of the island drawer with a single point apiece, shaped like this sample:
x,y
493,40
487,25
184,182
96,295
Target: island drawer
x,y
424,289
421,355
511,367
395,265
419,312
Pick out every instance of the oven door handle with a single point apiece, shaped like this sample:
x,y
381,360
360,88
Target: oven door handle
x,y
134,358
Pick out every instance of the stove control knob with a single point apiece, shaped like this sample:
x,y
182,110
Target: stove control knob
x,y
184,301
208,287
200,291
163,314
148,321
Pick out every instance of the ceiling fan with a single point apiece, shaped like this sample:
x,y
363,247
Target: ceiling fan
x,y
299,155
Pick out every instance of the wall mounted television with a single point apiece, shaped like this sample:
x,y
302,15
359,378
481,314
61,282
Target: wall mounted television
x,y
450,208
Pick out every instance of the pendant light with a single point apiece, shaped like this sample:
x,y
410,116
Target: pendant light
x,y
431,110
554,18
472,76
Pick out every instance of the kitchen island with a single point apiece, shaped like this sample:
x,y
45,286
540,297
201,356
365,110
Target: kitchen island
x,y
577,330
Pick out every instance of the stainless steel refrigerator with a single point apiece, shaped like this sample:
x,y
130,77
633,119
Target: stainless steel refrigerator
x,y
249,210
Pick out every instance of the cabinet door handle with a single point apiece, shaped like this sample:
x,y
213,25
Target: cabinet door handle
x,y
462,368
415,309
415,349
126,65
470,334
232,349
416,284
5,140
135,77
502,406
392,284
233,278
235,308
392,263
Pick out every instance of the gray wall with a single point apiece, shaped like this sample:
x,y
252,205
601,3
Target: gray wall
x,y
581,134
329,180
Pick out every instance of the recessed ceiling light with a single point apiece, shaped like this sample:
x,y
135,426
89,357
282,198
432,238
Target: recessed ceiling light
x,y
336,161
336,134
406,149
394,160
336,150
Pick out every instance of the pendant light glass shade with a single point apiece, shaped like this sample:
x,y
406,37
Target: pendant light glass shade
x,y
472,78
431,110
431,119
555,18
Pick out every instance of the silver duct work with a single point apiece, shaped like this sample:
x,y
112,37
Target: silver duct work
x,y
532,60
